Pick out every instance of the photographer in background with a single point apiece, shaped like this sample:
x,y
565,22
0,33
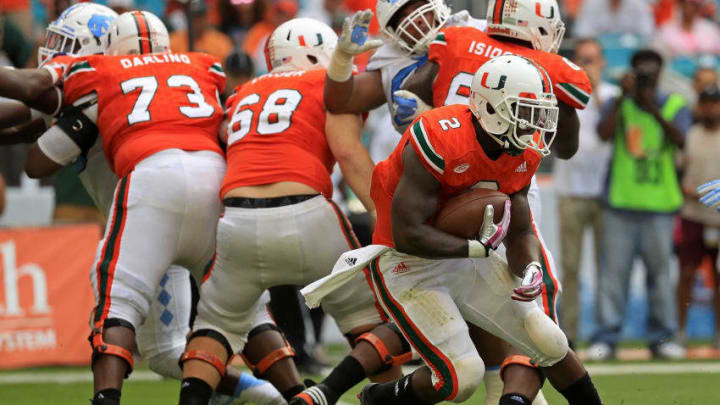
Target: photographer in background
x,y
642,195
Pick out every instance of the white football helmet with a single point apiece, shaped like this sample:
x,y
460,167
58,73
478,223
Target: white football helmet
x,y
137,32
300,44
80,30
513,100
535,21
415,32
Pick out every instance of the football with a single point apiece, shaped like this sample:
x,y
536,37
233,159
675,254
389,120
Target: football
x,y
462,215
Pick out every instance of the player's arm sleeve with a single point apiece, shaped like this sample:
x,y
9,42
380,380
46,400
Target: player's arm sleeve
x,y
422,143
218,75
74,133
80,80
438,48
571,84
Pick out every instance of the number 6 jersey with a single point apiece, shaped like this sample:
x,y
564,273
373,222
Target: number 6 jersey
x,y
149,103
277,132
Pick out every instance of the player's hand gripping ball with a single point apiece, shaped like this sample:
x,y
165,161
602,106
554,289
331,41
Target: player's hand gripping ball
x,y
480,214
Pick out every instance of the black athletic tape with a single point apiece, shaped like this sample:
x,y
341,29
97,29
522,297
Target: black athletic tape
x,y
215,336
263,328
78,127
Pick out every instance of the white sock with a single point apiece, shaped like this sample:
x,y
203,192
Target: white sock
x,y
540,399
250,390
493,387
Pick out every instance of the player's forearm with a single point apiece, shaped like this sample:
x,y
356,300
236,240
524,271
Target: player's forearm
x,y
357,171
24,84
26,132
425,241
38,165
337,95
522,248
567,139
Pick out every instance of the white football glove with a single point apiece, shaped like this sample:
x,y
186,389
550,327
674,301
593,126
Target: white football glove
x,y
711,190
491,234
406,107
531,285
353,41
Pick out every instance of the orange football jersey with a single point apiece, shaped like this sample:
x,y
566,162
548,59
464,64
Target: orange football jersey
x,y
57,66
445,141
149,103
277,132
460,51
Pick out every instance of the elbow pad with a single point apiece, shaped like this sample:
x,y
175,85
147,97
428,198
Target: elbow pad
x,y
78,127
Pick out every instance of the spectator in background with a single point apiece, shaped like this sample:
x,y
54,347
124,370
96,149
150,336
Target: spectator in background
x,y
689,34
277,13
599,17
579,183
16,47
207,38
121,6
20,13
699,225
238,70
642,194
704,76
238,16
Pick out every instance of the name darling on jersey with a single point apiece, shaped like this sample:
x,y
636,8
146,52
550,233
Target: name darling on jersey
x,y
154,58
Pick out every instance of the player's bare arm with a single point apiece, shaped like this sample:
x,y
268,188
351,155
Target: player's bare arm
x,y
568,132
34,87
74,133
344,136
414,203
420,82
523,249
26,132
343,92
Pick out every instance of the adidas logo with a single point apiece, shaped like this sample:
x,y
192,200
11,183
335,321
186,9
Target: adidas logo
x,y
400,268
522,168
351,261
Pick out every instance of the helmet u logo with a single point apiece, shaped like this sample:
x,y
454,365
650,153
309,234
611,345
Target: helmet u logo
x,y
501,82
538,11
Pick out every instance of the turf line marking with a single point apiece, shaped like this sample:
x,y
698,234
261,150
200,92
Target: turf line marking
x,y
67,377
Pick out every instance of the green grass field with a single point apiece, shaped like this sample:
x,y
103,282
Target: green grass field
x,y
625,389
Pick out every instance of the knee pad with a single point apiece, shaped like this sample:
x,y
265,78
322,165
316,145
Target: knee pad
x,y
271,358
100,347
376,342
206,356
470,371
166,363
521,361
547,336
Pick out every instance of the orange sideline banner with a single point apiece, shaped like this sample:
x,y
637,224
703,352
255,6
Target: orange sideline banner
x,y
45,295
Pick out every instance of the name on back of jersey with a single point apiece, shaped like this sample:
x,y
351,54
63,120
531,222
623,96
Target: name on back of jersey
x,y
294,73
489,51
154,58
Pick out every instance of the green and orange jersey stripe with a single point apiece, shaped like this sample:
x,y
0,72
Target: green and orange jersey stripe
x,y
447,384
143,29
111,250
550,291
353,243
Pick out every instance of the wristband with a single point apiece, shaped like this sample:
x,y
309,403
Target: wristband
x,y
341,66
476,249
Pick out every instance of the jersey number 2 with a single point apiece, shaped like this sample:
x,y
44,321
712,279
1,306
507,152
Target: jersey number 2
x,y
275,116
148,86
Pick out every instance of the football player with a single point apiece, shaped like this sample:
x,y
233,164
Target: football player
x,y
280,226
497,141
82,83
80,30
411,25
